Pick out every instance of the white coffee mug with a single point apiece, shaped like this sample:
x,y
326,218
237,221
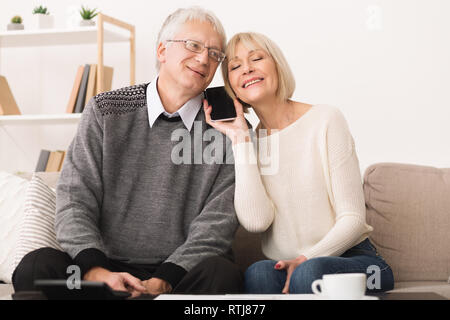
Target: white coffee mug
x,y
342,286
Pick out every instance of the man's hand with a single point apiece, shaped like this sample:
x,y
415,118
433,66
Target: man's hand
x,y
120,281
157,286
289,266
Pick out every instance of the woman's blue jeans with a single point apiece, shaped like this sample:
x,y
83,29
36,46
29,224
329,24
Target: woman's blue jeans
x,y
262,278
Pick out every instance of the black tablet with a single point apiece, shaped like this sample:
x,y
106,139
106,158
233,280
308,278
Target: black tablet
x,y
88,290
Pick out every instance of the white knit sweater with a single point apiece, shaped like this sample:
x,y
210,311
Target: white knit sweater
x,y
308,199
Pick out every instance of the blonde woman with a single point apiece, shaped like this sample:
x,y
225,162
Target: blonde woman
x,y
311,209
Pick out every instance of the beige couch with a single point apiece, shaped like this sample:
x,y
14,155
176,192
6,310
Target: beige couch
x,y
409,208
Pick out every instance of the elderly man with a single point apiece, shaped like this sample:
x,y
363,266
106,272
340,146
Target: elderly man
x,y
126,213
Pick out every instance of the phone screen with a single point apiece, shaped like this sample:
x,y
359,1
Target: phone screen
x,y
222,105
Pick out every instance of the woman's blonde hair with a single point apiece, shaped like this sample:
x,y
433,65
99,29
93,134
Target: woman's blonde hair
x,y
252,41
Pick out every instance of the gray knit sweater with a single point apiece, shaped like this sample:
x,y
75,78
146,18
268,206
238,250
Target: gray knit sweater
x,y
120,195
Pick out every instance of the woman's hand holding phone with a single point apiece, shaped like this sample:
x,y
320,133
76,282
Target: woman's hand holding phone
x,y
237,130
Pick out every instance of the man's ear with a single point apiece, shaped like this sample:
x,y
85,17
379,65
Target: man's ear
x,y
161,52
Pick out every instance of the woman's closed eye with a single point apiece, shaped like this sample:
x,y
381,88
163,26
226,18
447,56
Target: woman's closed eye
x,y
234,67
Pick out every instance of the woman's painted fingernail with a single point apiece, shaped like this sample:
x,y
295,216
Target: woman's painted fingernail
x,y
277,266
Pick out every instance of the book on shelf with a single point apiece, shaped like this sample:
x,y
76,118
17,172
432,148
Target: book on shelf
x,y
91,85
8,105
55,160
50,161
107,79
62,161
42,161
79,105
85,86
76,87
92,88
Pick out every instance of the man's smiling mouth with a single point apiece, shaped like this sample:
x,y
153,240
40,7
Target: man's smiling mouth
x,y
198,72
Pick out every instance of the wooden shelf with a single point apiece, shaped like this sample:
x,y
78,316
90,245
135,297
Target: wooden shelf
x,y
53,37
40,119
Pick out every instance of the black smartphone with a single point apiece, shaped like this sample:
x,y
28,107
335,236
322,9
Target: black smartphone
x,y
222,105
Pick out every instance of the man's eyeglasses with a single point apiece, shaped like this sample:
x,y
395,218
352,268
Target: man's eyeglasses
x,y
198,47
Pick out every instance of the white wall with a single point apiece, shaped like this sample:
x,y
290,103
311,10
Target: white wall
x,y
384,63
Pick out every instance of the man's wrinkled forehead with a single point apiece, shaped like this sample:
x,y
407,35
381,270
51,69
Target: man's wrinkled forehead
x,y
202,31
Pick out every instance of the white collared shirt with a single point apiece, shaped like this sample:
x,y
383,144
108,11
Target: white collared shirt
x,y
187,112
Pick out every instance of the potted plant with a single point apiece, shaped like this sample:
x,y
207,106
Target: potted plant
x,y
42,18
87,15
16,23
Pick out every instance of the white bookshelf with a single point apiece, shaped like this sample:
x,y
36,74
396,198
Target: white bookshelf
x,y
53,37
117,31
99,35
40,119
27,142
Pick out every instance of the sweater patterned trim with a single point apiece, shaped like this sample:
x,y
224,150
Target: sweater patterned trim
x,y
122,101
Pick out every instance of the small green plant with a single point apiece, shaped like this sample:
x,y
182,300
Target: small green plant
x,y
40,10
87,14
16,19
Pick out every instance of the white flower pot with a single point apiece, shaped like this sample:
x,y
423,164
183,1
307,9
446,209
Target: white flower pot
x,y
14,26
42,21
87,23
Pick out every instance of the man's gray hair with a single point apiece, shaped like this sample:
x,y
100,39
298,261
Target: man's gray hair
x,y
175,21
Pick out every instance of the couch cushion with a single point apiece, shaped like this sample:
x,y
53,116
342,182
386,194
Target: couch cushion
x,y
409,208
12,202
5,291
37,229
49,178
440,287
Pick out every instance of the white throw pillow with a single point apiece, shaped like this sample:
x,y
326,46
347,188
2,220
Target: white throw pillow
x,y
12,201
37,229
